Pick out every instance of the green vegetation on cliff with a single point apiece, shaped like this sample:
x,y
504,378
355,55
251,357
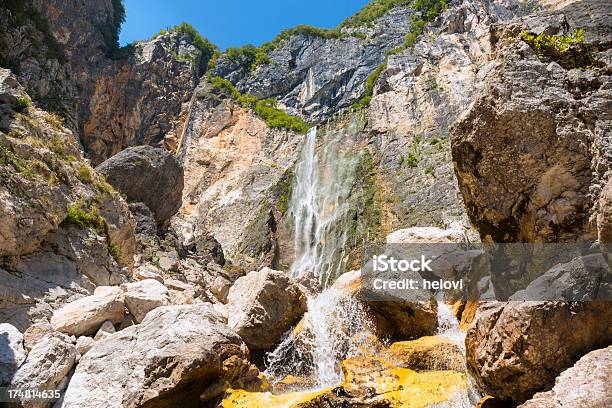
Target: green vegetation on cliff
x,y
206,49
372,11
561,43
264,108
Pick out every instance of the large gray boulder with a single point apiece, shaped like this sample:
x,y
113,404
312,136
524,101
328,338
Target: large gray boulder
x,y
516,349
586,384
529,165
46,368
169,359
148,175
264,305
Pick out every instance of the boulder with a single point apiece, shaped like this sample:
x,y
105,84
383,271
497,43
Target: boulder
x,y
585,278
428,353
12,353
143,296
105,330
516,349
35,333
220,288
148,175
148,272
393,316
169,359
262,306
84,316
586,384
46,368
529,168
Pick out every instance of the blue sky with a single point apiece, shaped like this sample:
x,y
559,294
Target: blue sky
x,y
229,23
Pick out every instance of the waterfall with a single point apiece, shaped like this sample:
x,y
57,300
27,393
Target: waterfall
x,y
319,206
336,326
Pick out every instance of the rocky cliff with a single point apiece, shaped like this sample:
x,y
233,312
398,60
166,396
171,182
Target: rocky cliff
x,y
146,191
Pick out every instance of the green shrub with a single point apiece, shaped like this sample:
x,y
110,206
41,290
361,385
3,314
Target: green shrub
x,y
370,83
84,217
110,30
372,11
412,160
207,48
55,121
425,12
23,102
114,251
561,43
84,173
266,109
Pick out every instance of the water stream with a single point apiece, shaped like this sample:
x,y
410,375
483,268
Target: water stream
x,y
336,325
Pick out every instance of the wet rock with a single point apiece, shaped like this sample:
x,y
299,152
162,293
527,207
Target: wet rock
x,y
393,316
586,384
12,353
148,175
368,382
87,314
46,368
518,348
143,296
426,354
262,306
145,366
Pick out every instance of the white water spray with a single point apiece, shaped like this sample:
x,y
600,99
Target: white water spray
x,y
334,328
320,206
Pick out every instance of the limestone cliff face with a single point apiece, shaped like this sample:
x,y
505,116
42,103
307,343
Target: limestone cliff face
x,y
315,76
63,230
66,56
239,178
142,99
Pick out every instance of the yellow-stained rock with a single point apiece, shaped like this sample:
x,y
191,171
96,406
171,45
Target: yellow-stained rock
x,y
292,383
368,382
373,381
245,399
458,308
468,314
426,353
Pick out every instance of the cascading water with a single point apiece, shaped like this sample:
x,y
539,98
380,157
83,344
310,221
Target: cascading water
x,y
319,204
448,326
336,326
